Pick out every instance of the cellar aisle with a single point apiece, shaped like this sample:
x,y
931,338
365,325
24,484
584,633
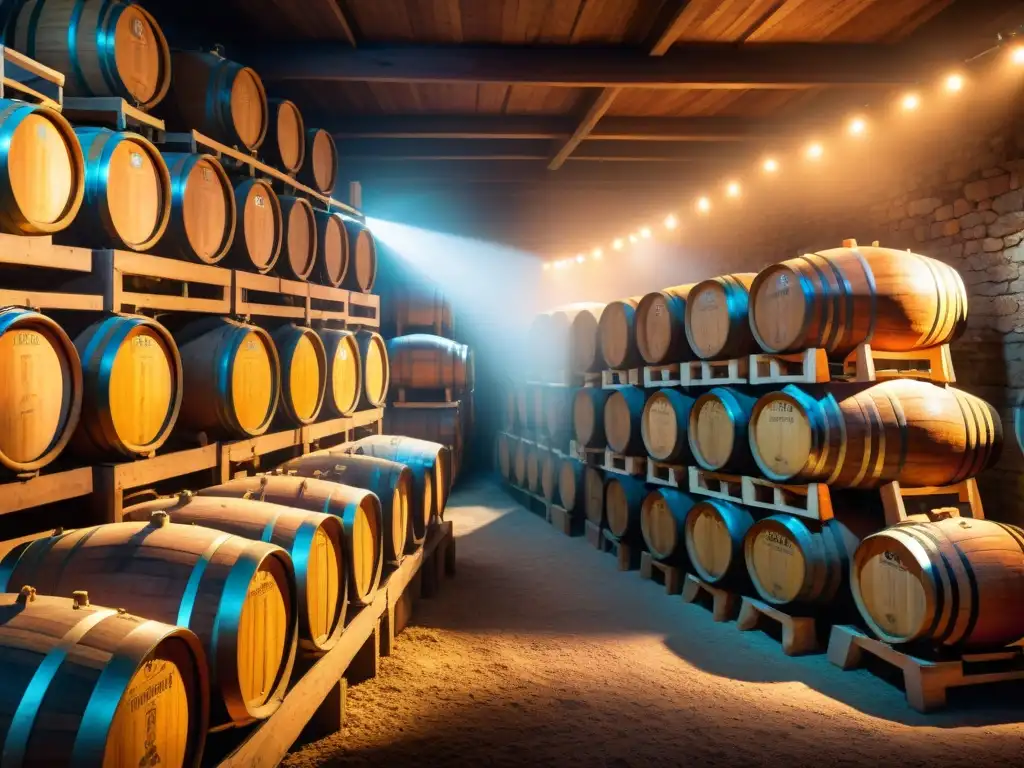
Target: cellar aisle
x,y
540,653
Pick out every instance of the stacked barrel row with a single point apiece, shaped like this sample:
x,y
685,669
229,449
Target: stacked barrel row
x,y
216,592
114,387
433,377
97,188
855,438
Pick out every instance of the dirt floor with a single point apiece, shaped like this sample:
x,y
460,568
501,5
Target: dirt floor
x,y
539,652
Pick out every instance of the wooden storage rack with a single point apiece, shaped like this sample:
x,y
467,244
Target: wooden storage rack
x,y
812,366
22,78
315,699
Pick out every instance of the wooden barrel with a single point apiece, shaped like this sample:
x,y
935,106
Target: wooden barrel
x,y
584,343
717,428
203,214
285,145
332,254
661,326
663,523
42,170
571,484
86,685
905,430
588,416
623,417
519,463
508,407
617,334
216,97
505,450
299,247
533,459
442,426
716,318
259,234
423,361
548,340
550,466
376,368
232,377
623,498
132,387
593,495
558,402
714,541
40,391
320,170
839,298
390,481
237,595
948,582
303,373
358,509
430,464
664,426
421,308
104,49
127,201
344,371
311,539
796,562
362,250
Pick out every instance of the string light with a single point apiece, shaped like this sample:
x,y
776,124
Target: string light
x,y
953,83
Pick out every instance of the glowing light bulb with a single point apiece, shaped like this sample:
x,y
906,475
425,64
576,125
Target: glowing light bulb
x,y
954,83
580,258
857,126
771,165
732,189
911,102
815,151
703,205
671,222
597,253
617,244
1017,54
645,232
632,238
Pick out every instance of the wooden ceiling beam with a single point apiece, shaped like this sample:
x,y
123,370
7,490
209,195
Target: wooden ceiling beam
x,y
455,150
338,12
669,27
497,127
692,66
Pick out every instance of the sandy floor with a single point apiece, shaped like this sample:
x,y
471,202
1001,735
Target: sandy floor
x,y
540,653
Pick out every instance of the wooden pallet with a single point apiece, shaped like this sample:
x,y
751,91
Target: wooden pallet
x,y
926,681
799,633
562,520
440,398
592,456
327,305
667,475
725,605
46,487
715,484
626,556
615,379
26,79
661,573
315,703
269,296
139,283
812,366
588,380
658,376
624,465
814,500
50,283
113,112
713,373
363,310
240,162
530,501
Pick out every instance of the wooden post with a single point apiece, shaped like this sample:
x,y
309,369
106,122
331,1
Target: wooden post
x,y
329,717
355,194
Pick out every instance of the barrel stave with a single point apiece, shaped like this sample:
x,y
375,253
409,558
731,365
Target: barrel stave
x,y
660,326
